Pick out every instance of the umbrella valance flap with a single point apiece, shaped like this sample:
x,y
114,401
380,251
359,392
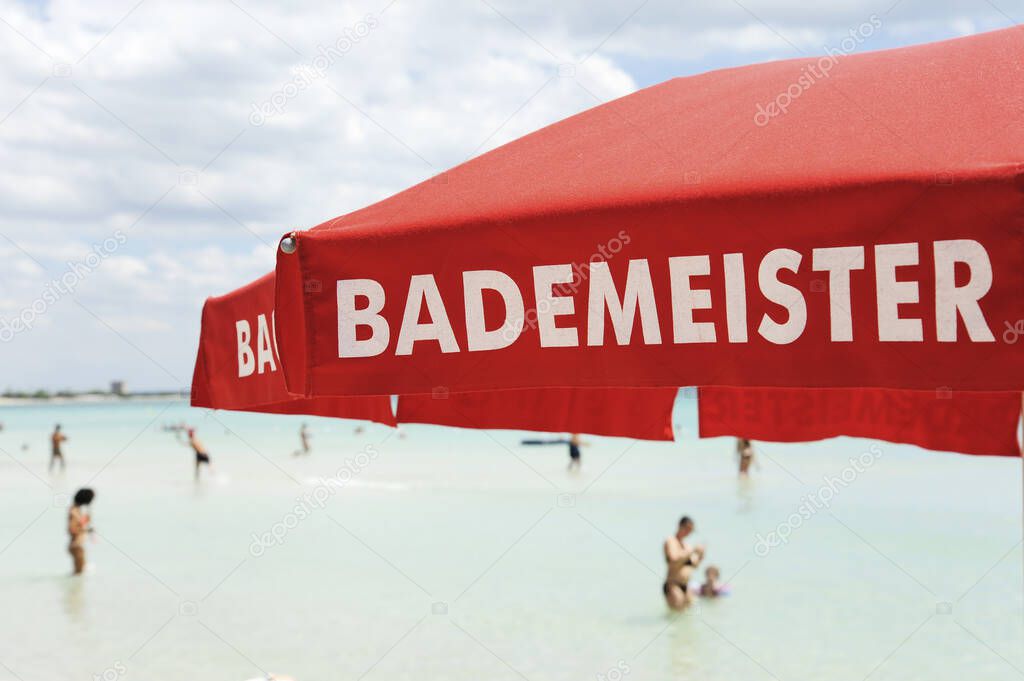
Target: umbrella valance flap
x,y
238,365
641,413
943,420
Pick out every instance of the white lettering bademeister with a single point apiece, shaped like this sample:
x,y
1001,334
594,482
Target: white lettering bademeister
x,y
364,331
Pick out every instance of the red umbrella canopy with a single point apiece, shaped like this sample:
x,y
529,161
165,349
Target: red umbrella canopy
x,y
238,366
838,221
943,420
640,413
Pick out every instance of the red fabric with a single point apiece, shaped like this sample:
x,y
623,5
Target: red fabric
x,y
644,414
919,146
216,383
970,423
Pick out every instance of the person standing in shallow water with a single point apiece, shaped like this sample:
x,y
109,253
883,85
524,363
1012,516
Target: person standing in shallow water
x,y
79,527
745,451
304,440
57,439
682,560
202,457
575,460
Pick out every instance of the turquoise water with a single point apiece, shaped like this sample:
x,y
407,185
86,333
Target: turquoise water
x,y
439,553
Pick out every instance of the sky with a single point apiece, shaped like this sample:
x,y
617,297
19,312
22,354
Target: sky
x,y
153,152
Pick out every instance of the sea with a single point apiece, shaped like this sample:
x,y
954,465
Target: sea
x,y
439,553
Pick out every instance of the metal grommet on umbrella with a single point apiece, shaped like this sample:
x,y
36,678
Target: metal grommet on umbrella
x,y
288,244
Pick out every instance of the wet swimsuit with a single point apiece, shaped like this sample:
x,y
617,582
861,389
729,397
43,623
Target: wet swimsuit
x,y
665,587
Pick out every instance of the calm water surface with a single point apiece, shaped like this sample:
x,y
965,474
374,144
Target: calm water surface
x,y
449,554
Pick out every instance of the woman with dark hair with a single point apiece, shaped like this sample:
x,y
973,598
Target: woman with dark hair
x,y
682,559
79,525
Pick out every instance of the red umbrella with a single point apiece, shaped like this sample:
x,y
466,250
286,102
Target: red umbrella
x,y
238,366
822,222
640,413
966,422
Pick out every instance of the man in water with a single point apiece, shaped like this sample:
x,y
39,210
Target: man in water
x,y
304,439
79,526
745,451
574,451
682,560
56,452
201,455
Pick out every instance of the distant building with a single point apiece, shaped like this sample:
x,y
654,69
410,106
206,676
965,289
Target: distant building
x,y
117,388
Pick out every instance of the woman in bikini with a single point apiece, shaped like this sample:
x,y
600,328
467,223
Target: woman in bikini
x,y
79,526
682,560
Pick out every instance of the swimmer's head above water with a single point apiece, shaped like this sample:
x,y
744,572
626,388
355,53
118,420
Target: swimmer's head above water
x,y
686,527
84,496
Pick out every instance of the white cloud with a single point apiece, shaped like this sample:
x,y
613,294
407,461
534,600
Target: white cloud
x,y
963,26
137,117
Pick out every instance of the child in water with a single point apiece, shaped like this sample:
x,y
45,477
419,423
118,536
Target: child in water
x,y
711,588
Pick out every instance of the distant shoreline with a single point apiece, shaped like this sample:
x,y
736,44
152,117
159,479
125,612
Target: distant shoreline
x,y
90,398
